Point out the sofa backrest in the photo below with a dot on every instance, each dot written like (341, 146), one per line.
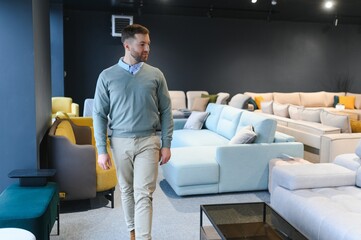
(227, 121)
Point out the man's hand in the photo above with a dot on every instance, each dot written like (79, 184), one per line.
(104, 161)
(164, 155)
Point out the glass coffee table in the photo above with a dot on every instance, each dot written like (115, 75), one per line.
(244, 221)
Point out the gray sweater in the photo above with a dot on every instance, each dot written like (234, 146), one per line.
(136, 104)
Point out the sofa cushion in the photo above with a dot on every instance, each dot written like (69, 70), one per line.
(264, 127)
(196, 120)
(313, 99)
(330, 97)
(290, 98)
(358, 149)
(295, 112)
(239, 101)
(214, 114)
(200, 104)
(336, 120)
(357, 99)
(267, 107)
(66, 130)
(228, 121)
(293, 177)
(212, 97)
(266, 96)
(311, 115)
(355, 126)
(259, 100)
(348, 101)
(244, 135)
(203, 137)
(281, 110)
(192, 166)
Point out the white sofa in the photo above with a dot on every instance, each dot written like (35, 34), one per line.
(323, 201)
(322, 142)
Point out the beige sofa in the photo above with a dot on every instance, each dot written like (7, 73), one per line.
(323, 142)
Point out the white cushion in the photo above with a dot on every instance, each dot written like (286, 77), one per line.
(358, 149)
(295, 112)
(222, 98)
(311, 115)
(243, 136)
(319, 175)
(239, 101)
(281, 110)
(178, 99)
(336, 120)
(267, 107)
(196, 120)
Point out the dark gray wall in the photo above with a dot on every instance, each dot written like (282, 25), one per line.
(24, 83)
(228, 55)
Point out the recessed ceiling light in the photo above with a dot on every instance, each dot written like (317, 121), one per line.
(254, 1)
(329, 4)
(274, 2)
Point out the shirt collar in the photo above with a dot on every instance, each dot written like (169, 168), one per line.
(132, 69)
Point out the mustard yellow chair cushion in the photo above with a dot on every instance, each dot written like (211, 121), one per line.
(66, 130)
(355, 126)
(258, 100)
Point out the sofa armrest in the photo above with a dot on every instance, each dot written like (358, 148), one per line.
(179, 123)
(75, 109)
(333, 145)
(245, 166)
(75, 164)
(303, 176)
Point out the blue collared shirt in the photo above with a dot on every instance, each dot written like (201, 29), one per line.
(132, 69)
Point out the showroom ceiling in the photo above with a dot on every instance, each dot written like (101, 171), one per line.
(345, 11)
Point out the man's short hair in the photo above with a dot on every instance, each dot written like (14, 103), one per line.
(130, 31)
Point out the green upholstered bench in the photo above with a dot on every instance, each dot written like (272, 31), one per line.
(34, 208)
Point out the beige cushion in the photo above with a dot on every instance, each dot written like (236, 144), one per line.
(290, 98)
(330, 97)
(178, 99)
(313, 99)
(192, 95)
(200, 104)
(266, 96)
(336, 120)
(357, 99)
(295, 112)
(281, 110)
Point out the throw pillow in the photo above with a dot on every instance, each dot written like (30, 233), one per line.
(196, 120)
(243, 136)
(281, 110)
(311, 115)
(355, 126)
(267, 107)
(253, 102)
(348, 101)
(212, 98)
(336, 100)
(336, 120)
(258, 100)
(200, 104)
(65, 129)
(295, 112)
(239, 101)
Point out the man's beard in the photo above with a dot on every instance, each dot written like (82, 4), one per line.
(139, 57)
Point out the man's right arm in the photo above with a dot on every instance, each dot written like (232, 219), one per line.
(101, 108)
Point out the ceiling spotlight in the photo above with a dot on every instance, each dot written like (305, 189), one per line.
(254, 1)
(329, 4)
(274, 2)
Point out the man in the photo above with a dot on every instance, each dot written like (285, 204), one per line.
(134, 97)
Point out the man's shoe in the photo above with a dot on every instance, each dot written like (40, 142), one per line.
(132, 235)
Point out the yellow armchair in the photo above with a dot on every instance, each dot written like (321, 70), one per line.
(64, 105)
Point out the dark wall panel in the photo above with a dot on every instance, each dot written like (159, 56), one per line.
(216, 55)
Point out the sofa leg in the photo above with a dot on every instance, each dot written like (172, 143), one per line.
(109, 194)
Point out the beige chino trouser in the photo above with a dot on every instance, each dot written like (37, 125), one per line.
(136, 161)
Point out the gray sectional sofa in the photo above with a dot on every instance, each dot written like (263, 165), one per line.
(203, 161)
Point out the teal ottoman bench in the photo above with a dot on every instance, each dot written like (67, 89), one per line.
(33, 208)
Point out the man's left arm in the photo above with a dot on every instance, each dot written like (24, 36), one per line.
(166, 118)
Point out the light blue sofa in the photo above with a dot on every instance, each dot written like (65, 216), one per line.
(203, 161)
